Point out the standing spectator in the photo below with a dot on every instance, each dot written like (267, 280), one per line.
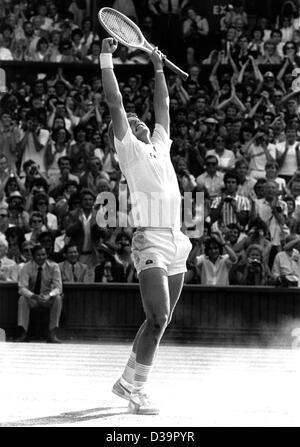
(273, 212)
(288, 156)
(230, 207)
(93, 175)
(245, 183)
(211, 179)
(33, 141)
(71, 269)
(226, 156)
(58, 146)
(83, 228)
(213, 267)
(40, 285)
(59, 181)
(195, 29)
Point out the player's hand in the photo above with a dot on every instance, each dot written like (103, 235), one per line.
(157, 58)
(109, 45)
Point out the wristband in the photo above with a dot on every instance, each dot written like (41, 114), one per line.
(106, 60)
(159, 71)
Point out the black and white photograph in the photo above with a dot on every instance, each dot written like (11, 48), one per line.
(149, 217)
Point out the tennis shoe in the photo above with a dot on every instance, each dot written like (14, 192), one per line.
(121, 391)
(140, 403)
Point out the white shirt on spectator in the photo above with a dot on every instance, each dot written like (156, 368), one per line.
(264, 211)
(212, 184)
(290, 162)
(30, 152)
(213, 274)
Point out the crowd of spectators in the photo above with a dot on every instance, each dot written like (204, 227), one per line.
(235, 132)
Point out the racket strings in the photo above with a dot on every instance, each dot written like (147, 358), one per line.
(121, 28)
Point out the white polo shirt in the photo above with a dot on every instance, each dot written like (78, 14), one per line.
(152, 182)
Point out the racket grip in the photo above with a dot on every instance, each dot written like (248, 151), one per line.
(176, 69)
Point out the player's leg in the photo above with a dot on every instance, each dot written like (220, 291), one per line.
(156, 302)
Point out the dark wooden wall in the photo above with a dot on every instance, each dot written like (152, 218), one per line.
(205, 315)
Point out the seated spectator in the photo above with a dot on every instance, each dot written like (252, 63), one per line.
(229, 207)
(59, 181)
(124, 256)
(257, 234)
(292, 219)
(213, 267)
(41, 204)
(16, 214)
(4, 224)
(123, 57)
(211, 179)
(186, 180)
(254, 271)
(5, 263)
(71, 269)
(37, 226)
(270, 55)
(195, 29)
(47, 239)
(226, 156)
(93, 175)
(272, 169)
(15, 238)
(93, 52)
(40, 285)
(286, 263)
(107, 268)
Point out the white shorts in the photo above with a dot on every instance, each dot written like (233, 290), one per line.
(160, 247)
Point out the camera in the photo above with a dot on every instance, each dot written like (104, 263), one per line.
(33, 170)
(254, 262)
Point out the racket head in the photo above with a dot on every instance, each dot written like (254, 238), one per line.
(121, 28)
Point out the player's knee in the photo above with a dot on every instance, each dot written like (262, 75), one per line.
(158, 323)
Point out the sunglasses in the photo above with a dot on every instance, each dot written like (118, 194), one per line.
(42, 203)
(3, 215)
(290, 48)
(36, 221)
(211, 164)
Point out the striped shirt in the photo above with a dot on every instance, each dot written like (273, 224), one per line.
(228, 214)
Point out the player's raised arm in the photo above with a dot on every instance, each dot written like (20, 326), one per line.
(111, 89)
(161, 94)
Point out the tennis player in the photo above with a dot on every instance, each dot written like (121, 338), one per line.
(159, 248)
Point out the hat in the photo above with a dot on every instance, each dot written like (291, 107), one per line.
(14, 195)
(211, 154)
(269, 74)
(211, 120)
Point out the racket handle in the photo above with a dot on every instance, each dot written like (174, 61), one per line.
(176, 69)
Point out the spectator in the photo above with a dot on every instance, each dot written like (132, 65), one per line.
(16, 212)
(58, 146)
(272, 169)
(195, 30)
(37, 226)
(33, 141)
(107, 268)
(94, 173)
(285, 268)
(229, 207)
(245, 183)
(9, 137)
(41, 204)
(83, 229)
(288, 157)
(270, 55)
(273, 211)
(226, 156)
(59, 181)
(4, 224)
(71, 269)
(5, 263)
(213, 267)
(254, 271)
(211, 179)
(15, 238)
(40, 285)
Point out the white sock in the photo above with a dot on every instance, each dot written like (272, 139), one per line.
(128, 373)
(141, 375)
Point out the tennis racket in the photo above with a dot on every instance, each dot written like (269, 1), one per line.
(129, 34)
